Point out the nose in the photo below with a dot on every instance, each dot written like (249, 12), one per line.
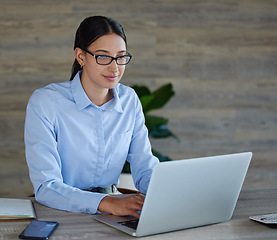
(113, 66)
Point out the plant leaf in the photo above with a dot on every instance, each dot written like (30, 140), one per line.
(161, 131)
(161, 97)
(156, 125)
(151, 120)
(126, 168)
(146, 101)
(141, 90)
(161, 157)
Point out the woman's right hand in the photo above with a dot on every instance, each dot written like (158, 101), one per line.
(122, 205)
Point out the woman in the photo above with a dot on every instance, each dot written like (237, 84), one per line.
(79, 133)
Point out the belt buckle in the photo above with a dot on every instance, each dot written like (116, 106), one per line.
(114, 190)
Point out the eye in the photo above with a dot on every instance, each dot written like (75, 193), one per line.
(103, 57)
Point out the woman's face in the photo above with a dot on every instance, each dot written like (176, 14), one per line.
(103, 77)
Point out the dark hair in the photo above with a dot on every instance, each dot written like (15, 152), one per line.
(90, 29)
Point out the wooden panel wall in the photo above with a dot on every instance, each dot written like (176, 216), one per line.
(220, 56)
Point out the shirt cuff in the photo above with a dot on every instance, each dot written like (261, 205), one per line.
(86, 202)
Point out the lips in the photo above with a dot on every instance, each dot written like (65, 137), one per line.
(111, 78)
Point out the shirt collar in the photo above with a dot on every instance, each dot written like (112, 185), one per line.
(79, 95)
(82, 100)
(115, 102)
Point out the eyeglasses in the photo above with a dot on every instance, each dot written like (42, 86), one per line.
(106, 60)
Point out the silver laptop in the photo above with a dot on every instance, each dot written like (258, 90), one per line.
(187, 193)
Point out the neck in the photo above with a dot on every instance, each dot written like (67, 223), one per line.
(98, 96)
(100, 100)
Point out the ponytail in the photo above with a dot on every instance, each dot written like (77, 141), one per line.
(76, 67)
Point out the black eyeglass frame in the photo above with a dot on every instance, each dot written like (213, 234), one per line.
(112, 58)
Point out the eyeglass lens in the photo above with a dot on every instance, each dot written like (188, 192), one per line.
(105, 60)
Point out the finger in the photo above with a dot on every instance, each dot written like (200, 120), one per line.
(135, 214)
(137, 206)
(140, 195)
(140, 198)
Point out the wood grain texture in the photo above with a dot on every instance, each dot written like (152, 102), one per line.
(220, 56)
(83, 226)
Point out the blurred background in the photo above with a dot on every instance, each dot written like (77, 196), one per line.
(220, 57)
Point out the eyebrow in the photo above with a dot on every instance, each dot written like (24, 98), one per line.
(105, 51)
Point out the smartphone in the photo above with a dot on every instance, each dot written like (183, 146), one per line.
(38, 230)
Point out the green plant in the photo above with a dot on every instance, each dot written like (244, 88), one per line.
(157, 126)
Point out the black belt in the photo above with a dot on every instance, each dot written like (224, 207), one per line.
(107, 190)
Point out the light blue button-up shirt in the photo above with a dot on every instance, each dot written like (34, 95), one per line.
(72, 144)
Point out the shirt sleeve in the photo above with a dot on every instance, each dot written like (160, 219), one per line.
(140, 154)
(45, 166)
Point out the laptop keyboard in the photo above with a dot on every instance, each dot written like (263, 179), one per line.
(130, 223)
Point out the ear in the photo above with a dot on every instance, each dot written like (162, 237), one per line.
(79, 55)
